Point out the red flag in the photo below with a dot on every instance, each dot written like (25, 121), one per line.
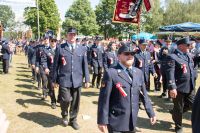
(147, 5)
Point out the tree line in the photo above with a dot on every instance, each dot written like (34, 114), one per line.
(98, 21)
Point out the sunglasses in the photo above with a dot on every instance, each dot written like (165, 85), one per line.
(128, 53)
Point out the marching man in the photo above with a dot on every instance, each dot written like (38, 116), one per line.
(121, 87)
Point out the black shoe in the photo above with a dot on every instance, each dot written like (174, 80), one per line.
(74, 125)
(178, 130)
(53, 105)
(65, 122)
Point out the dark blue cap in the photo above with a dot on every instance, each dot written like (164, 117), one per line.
(143, 41)
(184, 41)
(126, 48)
(72, 30)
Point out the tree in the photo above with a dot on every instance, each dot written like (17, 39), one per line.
(81, 16)
(7, 16)
(153, 18)
(49, 16)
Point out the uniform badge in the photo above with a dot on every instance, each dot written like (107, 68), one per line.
(110, 60)
(121, 90)
(140, 63)
(184, 68)
(64, 61)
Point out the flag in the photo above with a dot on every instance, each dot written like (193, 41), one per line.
(147, 5)
(127, 11)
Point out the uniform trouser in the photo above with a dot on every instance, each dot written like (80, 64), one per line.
(97, 74)
(157, 82)
(182, 103)
(5, 65)
(69, 97)
(51, 90)
(44, 81)
(164, 81)
(34, 74)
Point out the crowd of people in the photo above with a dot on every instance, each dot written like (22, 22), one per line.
(120, 69)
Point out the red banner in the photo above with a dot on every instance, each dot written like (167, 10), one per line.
(127, 11)
(147, 5)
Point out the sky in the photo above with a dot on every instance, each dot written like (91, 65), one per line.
(63, 5)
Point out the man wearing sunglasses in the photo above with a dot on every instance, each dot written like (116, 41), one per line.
(119, 95)
(180, 79)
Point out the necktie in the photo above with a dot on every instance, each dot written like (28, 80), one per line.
(72, 46)
(129, 73)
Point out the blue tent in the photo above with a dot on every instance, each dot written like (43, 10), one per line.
(144, 35)
(183, 27)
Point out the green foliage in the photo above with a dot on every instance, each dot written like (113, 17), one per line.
(7, 16)
(49, 16)
(153, 18)
(81, 16)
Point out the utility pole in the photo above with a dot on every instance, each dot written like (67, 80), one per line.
(38, 20)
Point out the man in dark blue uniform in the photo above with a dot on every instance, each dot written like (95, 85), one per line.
(196, 114)
(110, 57)
(97, 61)
(180, 79)
(144, 63)
(32, 59)
(70, 67)
(165, 51)
(47, 60)
(195, 53)
(119, 95)
(39, 66)
(156, 63)
(6, 56)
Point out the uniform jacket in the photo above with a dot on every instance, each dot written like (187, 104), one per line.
(97, 56)
(195, 54)
(70, 67)
(164, 57)
(180, 72)
(38, 54)
(143, 62)
(116, 110)
(6, 51)
(110, 60)
(31, 55)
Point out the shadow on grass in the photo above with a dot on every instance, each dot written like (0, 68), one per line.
(43, 119)
(23, 71)
(89, 94)
(95, 102)
(26, 86)
(22, 67)
(29, 93)
(31, 101)
(25, 80)
(24, 75)
(22, 64)
(144, 123)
